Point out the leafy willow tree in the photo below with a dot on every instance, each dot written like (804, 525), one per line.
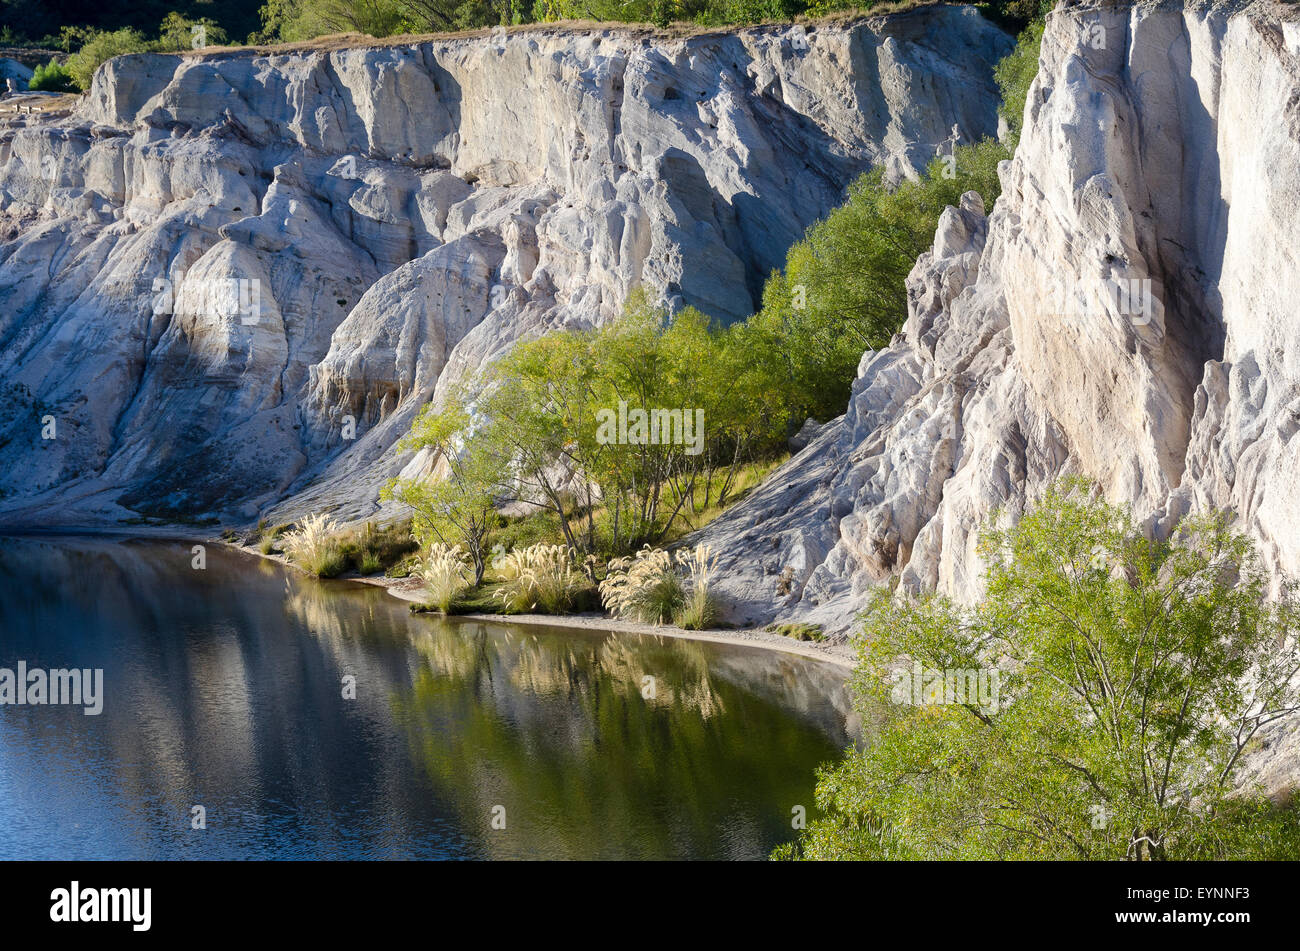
(457, 507)
(101, 47)
(1014, 75)
(843, 287)
(288, 21)
(1132, 677)
(553, 424)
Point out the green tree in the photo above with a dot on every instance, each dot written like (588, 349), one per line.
(52, 77)
(458, 506)
(289, 21)
(843, 289)
(428, 16)
(543, 427)
(1131, 676)
(1014, 75)
(100, 48)
(177, 33)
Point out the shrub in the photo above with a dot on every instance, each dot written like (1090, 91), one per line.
(313, 547)
(540, 576)
(1014, 76)
(540, 526)
(445, 572)
(798, 631)
(646, 588)
(1123, 678)
(178, 33)
(843, 289)
(699, 610)
(52, 77)
(100, 48)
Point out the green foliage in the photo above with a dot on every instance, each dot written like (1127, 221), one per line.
(288, 21)
(1131, 675)
(842, 290)
(42, 22)
(100, 48)
(799, 631)
(93, 47)
(457, 509)
(1014, 75)
(379, 548)
(520, 532)
(545, 432)
(294, 20)
(291, 20)
(177, 33)
(52, 77)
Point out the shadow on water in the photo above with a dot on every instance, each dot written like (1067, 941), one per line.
(224, 688)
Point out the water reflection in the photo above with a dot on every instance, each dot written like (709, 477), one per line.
(224, 688)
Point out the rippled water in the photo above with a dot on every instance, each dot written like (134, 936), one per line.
(224, 688)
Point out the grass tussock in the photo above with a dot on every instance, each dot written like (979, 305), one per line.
(320, 547)
(446, 573)
(698, 610)
(539, 578)
(312, 546)
(798, 631)
(659, 587)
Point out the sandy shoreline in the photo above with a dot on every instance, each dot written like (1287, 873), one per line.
(405, 589)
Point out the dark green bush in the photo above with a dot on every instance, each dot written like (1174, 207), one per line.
(52, 77)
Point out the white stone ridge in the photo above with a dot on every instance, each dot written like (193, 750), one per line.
(407, 212)
(1169, 153)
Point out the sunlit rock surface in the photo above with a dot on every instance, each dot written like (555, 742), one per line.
(1161, 153)
(229, 280)
(1161, 156)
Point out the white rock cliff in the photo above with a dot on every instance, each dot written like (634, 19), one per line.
(229, 280)
(1126, 312)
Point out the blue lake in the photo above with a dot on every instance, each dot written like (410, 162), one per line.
(224, 688)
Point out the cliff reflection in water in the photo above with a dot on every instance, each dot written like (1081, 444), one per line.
(224, 687)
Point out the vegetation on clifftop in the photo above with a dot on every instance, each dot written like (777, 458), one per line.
(291, 20)
(92, 33)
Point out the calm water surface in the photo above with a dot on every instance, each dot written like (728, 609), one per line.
(224, 688)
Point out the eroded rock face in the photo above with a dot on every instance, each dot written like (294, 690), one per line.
(1126, 312)
(230, 280)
